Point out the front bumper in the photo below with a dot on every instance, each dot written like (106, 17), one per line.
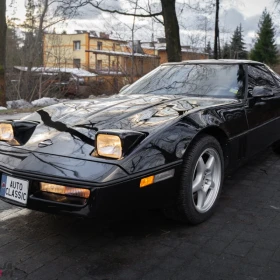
(105, 199)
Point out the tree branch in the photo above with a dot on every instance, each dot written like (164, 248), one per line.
(68, 6)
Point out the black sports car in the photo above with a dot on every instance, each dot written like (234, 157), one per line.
(166, 142)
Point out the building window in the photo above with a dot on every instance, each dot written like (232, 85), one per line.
(76, 63)
(99, 45)
(99, 64)
(113, 65)
(76, 45)
(114, 46)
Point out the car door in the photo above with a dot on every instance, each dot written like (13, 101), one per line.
(262, 112)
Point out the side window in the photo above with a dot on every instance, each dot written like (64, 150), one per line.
(276, 79)
(258, 76)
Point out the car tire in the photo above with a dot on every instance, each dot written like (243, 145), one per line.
(200, 182)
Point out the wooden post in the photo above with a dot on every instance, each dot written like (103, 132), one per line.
(96, 62)
(3, 28)
(40, 86)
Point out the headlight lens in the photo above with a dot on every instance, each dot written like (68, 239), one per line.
(58, 189)
(7, 133)
(109, 146)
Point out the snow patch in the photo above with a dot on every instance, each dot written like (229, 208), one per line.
(42, 102)
(100, 96)
(3, 108)
(18, 104)
(45, 101)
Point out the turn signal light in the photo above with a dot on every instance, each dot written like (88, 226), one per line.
(157, 178)
(147, 181)
(58, 189)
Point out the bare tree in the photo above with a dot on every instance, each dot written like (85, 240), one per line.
(132, 42)
(196, 40)
(167, 11)
(205, 25)
(3, 28)
(38, 20)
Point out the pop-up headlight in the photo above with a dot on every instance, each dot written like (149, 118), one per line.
(116, 143)
(7, 133)
(16, 132)
(109, 146)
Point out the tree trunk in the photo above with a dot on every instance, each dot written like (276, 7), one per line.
(172, 35)
(216, 53)
(39, 38)
(3, 28)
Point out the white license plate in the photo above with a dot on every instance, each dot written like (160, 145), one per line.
(14, 189)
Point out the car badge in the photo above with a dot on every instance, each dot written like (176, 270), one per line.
(45, 143)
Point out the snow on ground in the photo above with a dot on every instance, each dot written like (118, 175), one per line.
(42, 102)
(18, 104)
(45, 101)
(13, 116)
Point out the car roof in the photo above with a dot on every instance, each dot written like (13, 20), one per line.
(215, 61)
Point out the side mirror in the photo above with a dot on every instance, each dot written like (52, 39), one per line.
(261, 91)
(124, 87)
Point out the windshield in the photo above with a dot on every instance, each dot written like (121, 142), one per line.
(207, 80)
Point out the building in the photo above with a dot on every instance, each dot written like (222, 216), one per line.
(158, 48)
(69, 50)
(115, 62)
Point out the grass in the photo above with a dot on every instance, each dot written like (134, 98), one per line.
(17, 111)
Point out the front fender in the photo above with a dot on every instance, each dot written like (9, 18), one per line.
(171, 142)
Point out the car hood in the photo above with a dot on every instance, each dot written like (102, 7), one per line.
(69, 128)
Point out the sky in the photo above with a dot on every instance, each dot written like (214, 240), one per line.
(233, 12)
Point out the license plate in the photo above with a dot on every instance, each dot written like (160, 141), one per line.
(14, 189)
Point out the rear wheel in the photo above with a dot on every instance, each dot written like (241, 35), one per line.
(201, 182)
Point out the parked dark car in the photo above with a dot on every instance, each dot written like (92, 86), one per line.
(165, 142)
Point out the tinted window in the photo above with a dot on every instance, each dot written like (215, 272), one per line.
(275, 76)
(258, 76)
(194, 80)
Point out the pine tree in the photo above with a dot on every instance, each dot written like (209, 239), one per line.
(226, 51)
(209, 50)
(30, 31)
(13, 52)
(265, 49)
(237, 45)
(243, 54)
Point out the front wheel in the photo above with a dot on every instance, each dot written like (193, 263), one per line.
(201, 181)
